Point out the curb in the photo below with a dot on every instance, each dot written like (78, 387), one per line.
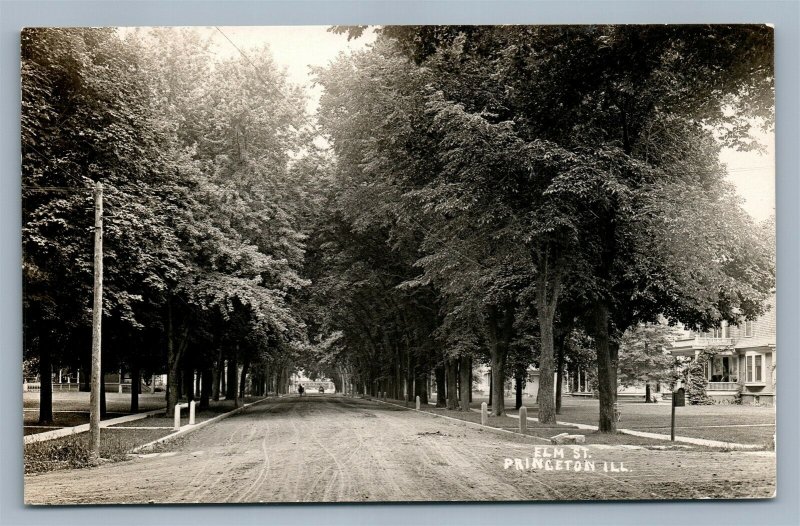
(67, 431)
(188, 428)
(467, 423)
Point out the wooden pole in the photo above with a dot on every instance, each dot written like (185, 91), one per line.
(672, 425)
(97, 318)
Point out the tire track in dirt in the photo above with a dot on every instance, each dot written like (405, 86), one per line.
(262, 474)
(341, 475)
(237, 456)
(341, 449)
(202, 477)
(465, 477)
(377, 483)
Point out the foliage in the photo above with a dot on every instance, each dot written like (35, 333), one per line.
(695, 378)
(644, 355)
(500, 194)
(203, 217)
(563, 156)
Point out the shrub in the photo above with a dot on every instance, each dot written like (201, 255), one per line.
(696, 379)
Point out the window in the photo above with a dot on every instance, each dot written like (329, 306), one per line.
(754, 368)
(748, 328)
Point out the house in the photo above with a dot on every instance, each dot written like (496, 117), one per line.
(482, 381)
(745, 363)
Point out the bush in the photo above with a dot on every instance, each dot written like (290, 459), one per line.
(696, 379)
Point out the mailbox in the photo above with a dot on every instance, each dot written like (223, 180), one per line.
(679, 398)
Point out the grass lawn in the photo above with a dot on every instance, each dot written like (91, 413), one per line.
(544, 430)
(77, 401)
(72, 451)
(159, 420)
(115, 442)
(744, 424)
(71, 408)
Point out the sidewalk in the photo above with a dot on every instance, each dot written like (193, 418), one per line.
(656, 436)
(66, 431)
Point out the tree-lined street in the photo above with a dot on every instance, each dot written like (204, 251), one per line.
(461, 205)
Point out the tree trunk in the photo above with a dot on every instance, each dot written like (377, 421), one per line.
(223, 375)
(545, 398)
(465, 381)
(172, 373)
(497, 396)
(606, 369)
(279, 380)
(500, 331)
(491, 386)
(103, 411)
(172, 364)
(179, 384)
(420, 384)
(647, 395)
(441, 393)
(136, 381)
(233, 373)
(548, 287)
(559, 375)
(451, 373)
(207, 387)
(410, 366)
(45, 383)
(197, 378)
(242, 383)
(215, 376)
(518, 388)
(86, 377)
(188, 377)
(423, 390)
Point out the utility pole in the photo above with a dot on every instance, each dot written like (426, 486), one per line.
(97, 319)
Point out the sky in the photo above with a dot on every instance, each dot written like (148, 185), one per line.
(298, 47)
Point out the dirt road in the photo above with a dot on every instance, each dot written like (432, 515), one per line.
(331, 449)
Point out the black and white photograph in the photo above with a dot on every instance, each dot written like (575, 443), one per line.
(395, 263)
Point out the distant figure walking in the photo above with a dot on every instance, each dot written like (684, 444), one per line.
(300, 390)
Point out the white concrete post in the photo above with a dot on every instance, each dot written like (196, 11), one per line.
(484, 413)
(120, 382)
(177, 425)
(191, 412)
(418, 403)
(523, 419)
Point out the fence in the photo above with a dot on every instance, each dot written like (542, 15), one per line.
(111, 387)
